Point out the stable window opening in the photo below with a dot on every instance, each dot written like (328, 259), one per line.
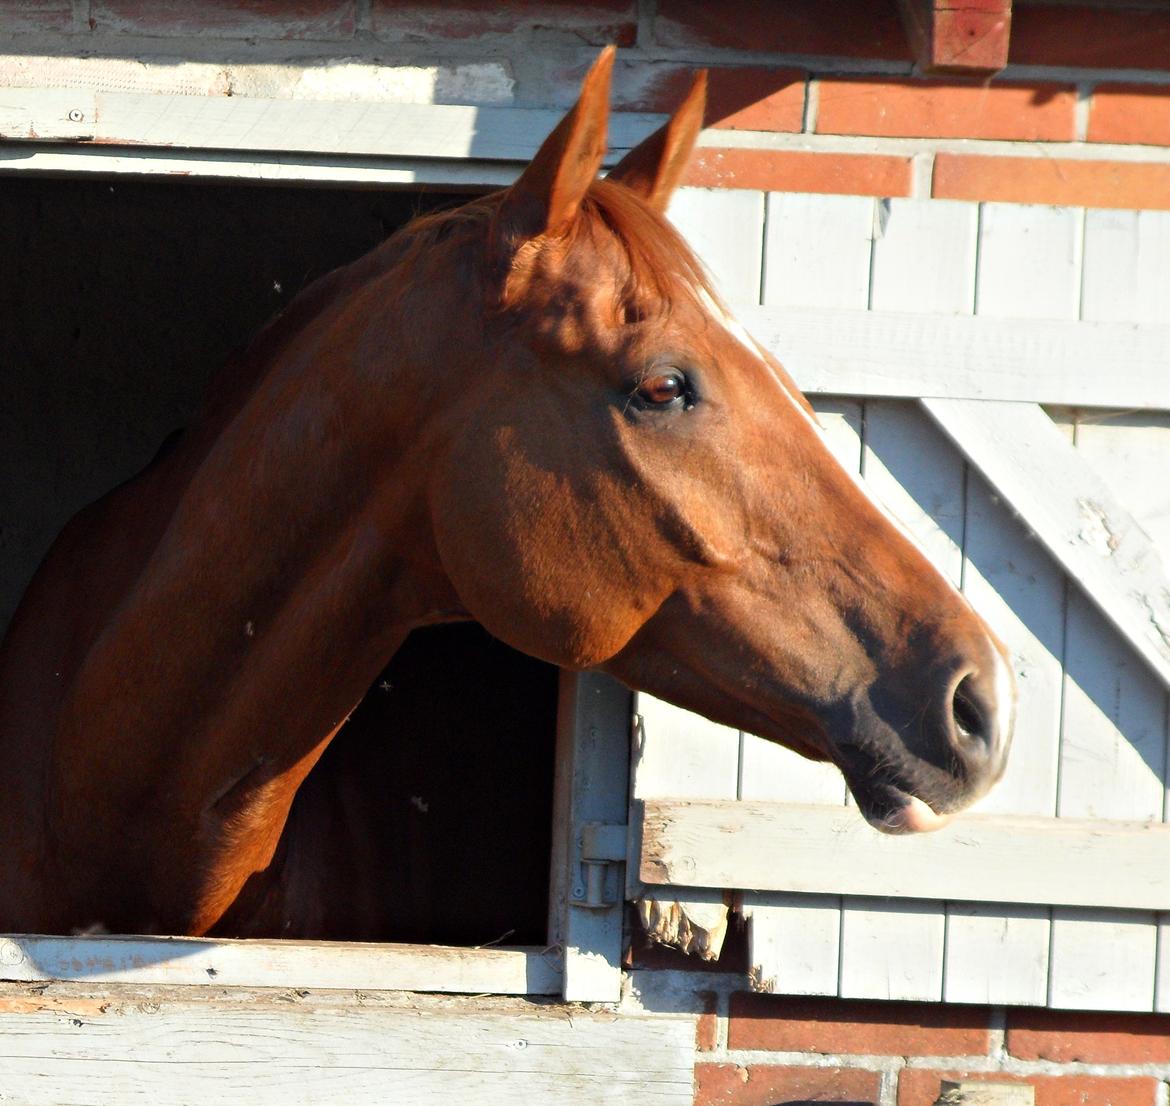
(124, 297)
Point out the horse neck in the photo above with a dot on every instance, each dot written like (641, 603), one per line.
(297, 558)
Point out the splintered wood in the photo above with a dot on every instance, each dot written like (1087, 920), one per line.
(696, 926)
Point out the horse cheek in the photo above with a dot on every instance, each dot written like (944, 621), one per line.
(520, 548)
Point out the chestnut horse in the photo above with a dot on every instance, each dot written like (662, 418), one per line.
(531, 412)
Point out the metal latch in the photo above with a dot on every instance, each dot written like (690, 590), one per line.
(602, 844)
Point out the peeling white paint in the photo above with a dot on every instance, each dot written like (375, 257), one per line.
(1095, 531)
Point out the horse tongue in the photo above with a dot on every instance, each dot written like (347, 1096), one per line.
(914, 817)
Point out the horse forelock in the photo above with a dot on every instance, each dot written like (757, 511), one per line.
(651, 265)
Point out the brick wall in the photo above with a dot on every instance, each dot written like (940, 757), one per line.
(757, 1050)
(804, 97)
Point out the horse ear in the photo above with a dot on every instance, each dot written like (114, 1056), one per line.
(546, 197)
(655, 166)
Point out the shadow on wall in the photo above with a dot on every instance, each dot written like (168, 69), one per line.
(1100, 675)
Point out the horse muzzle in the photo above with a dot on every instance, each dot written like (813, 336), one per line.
(914, 776)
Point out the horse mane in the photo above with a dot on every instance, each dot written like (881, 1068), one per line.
(660, 267)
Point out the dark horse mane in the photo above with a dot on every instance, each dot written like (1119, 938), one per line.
(659, 264)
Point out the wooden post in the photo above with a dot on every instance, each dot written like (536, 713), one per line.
(948, 36)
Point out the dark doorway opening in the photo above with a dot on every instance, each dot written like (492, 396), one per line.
(118, 301)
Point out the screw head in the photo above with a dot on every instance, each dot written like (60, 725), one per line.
(76, 115)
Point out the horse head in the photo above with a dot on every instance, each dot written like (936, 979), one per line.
(626, 481)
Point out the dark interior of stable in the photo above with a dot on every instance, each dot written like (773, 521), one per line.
(118, 300)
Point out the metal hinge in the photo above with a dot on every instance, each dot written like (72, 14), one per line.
(603, 844)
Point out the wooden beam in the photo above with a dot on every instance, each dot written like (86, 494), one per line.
(160, 1046)
(958, 36)
(305, 126)
(1073, 513)
(298, 964)
(773, 846)
(592, 769)
(876, 353)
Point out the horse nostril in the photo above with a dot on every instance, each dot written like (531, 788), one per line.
(973, 724)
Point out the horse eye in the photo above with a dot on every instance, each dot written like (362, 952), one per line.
(662, 389)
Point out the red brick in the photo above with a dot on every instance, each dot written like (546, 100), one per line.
(948, 109)
(1085, 36)
(748, 98)
(857, 1028)
(766, 1085)
(921, 1088)
(800, 171)
(1090, 1038)
(855, 28)
(707, 1028)
(267, 19)
(1130, 113)
(597, 22)
(24, 16)
(1039, 180)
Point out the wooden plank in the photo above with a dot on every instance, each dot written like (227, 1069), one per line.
(817, 250)
(1072, 512)
(725, 228)
(1128, 450)
(266, 168)
(683, 755)
(325, 127)
(181, 1046)
(1103, 960)
(782, 847)
(896, 354)
(1029, 261)
(593, 743)
(794, 942)
(983, 941)
(924, 259)
(1113, 764)
(997, 955)
(1127, 267)
(1031, 267)
(1113, 752)
(892, 950)
(914, 472)
(56, 114)
(304, 964)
